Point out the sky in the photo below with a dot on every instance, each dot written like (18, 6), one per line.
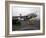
(24, 10)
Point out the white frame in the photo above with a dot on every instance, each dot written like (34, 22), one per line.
(23, 32)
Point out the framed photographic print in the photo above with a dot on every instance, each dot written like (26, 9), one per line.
(24, 18)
